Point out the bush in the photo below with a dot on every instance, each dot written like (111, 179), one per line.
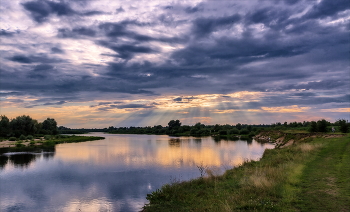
(344, 126)
(322, 125)
(30, 137)
(223, 132)
(12, 138)
(19, 145)
(22, 137)
(47, 137)
(313, 126)
(244, 132)
(251, 134)
(32, 143)
(234, 131)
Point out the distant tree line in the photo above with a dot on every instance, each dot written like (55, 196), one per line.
(176, 128)
(25, 125)
(322, 125)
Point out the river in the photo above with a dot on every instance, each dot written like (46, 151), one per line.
(114, 174)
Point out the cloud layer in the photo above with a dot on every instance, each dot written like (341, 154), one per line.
(61, 54)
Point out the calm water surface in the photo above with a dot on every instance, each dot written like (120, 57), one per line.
(114, 174)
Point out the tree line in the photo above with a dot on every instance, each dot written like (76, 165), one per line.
(176, 128)
(25, 125)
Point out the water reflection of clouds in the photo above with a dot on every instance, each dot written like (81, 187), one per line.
(140, 152)
(114, 174)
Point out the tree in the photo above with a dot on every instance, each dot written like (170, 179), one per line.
(50, 126)
(313, 126)
(4, 126)
(343, 125)
(23, 125)
(322, 125)
(174, 124)
(239, 126)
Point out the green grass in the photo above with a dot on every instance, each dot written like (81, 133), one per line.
(325, 183)
(286, 179)
(48, 144)
(70, 139)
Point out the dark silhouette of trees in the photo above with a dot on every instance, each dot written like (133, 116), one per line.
(343, 125)
(174, 124)
(49, 127)
(4, 126)
(24, 125)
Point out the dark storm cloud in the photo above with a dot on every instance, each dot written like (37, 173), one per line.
(120, 29)
(204, 26)
(120, 10)
(192, 9)
(327, 8)
(125, 106)
(13, 93)
(41, 71)
(47, 104)
(288, 100)
(76, 32)
(56, 50)
(55, 103)
(41, 10)
(126, 51)
(5, 33)
(327, 84)
(33, 59)
(291, 2)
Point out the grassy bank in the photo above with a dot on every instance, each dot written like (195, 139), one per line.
(46, 144)
(311, 175)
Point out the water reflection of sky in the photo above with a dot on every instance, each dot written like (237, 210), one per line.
(114, 174)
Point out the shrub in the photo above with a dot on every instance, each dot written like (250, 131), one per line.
(12, 138)
(322, 125)
(32, 143)
(344, 127)
(251, 134)
(313, 126)
(47, 137)
(223, 132)
(244, 132)
(22, 137)
(19, 145)
(234, 131)
(30, 137)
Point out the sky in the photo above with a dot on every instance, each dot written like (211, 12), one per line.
(100, 63)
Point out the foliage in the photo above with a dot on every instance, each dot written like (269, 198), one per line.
(47, 137)
(343, 125)
(322, 125)
(22, 137)
(313, 127)
(174, 124)
(4, 126)
(25, 125)
(12, 138)
(49, 126)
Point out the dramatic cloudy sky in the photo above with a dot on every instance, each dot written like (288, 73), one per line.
(100, 63)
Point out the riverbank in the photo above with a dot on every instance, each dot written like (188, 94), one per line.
(308, 174)
(43, 142)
